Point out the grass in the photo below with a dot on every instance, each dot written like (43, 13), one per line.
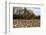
(18, 23)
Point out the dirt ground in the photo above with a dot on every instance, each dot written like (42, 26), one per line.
(20, 23)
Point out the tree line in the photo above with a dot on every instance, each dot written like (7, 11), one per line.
(26, 15)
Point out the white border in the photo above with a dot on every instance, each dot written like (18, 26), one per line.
(33, 29)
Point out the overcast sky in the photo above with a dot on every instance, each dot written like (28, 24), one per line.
(36, 10)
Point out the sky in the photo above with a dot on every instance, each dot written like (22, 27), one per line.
(36, 10)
